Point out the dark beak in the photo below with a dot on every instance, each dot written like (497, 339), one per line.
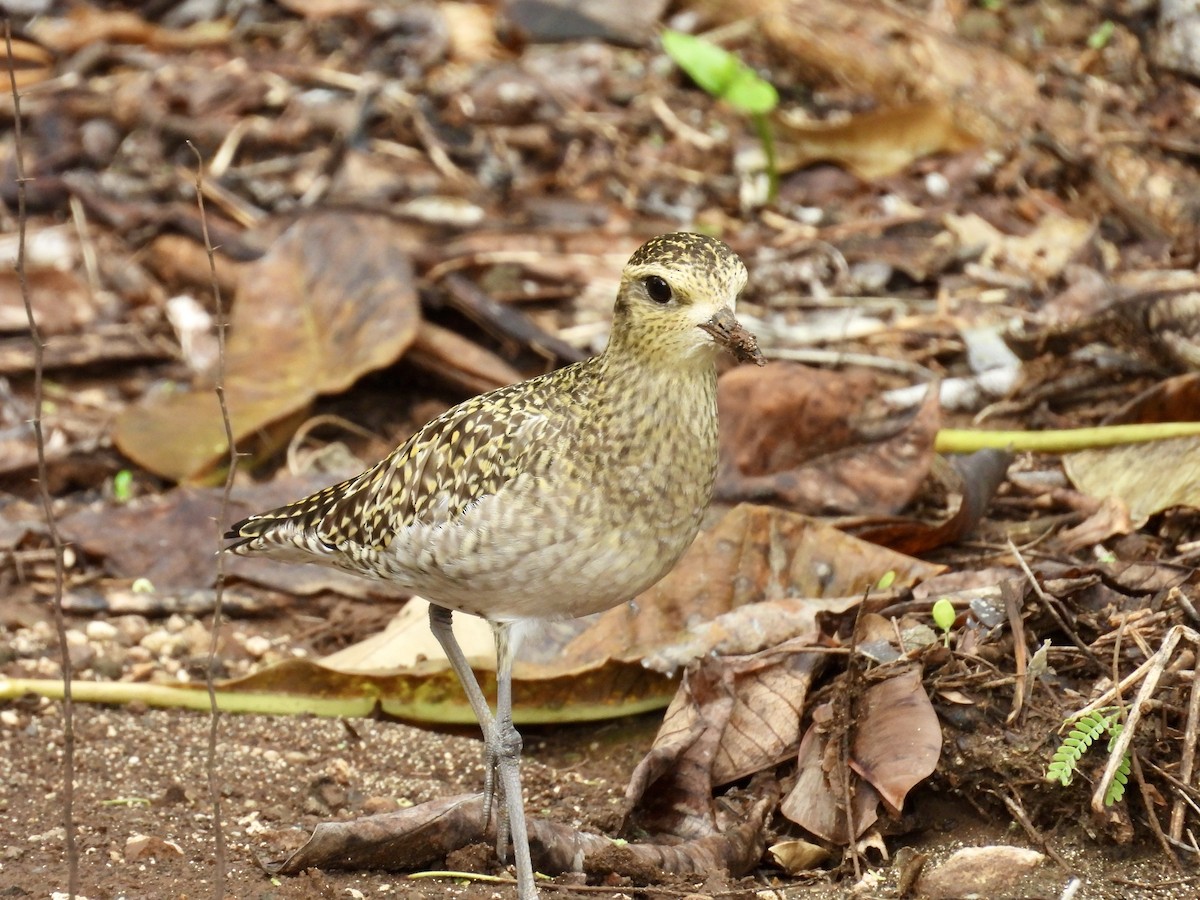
(728, 332)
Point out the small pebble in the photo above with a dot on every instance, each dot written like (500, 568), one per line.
(82, 655)
(110, 664)
(101, 631)
(195, 638)
(373, 806)
(139, 654)
(257, 646)
(142, 846)
(132, 629)
(160, 643)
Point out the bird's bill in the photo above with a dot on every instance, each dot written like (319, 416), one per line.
(729, 333)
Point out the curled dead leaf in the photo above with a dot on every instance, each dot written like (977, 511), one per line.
(897, 737)
(333, 299)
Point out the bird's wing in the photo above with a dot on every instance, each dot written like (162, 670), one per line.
(468, 453)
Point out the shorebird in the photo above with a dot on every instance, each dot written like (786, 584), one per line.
(556, 497)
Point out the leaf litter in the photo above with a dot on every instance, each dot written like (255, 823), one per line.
(377, 155)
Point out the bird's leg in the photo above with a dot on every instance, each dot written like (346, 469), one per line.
(508, 762)
(440, 625)
(502, 743)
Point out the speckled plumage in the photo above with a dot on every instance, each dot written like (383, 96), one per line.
(556, 497)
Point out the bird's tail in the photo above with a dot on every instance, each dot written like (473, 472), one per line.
(291, 532)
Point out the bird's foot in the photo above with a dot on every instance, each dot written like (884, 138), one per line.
(501, 750)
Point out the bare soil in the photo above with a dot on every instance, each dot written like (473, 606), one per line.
(142, 772)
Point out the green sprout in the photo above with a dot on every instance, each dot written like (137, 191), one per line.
(122, 486)
(885, 582)
(1099, 38)
(943, 617)
(727, 78)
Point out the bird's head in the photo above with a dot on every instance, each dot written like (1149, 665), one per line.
(677, 301)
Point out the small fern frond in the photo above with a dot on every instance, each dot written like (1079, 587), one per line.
(1116, 790)
(1084, 732)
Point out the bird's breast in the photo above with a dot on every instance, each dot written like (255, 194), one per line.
(607, 516)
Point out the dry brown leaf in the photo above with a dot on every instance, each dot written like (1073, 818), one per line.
(971, 481)
(898, 59)
(1146, 478)
(61, 300)
(897, 743)
(1109, 519)
(1176, 399)
(332, 300)
(1135, 481)
(91, 25)
(670, 791)
(177, 259)
(407, 641)
(873, 144)
(748, 629)
(897, 737)
(1039, 256)
(795, 857)
(129, 538)
(815, 801)
(405, 839)
(411, 838)
(30, 63)
(754, 554)
(762, 726)
(784, 438)
(459, 360)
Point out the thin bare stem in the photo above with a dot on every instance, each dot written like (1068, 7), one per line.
(214, 787)
(43, 479)
(1187, 759)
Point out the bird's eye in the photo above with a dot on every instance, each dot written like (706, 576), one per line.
(658, 289)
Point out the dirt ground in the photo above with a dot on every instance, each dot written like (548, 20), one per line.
(142, 772)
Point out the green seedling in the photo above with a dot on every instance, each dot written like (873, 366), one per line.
(727, 78)
(943, 617)
(122, 486)
(1099, 38)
